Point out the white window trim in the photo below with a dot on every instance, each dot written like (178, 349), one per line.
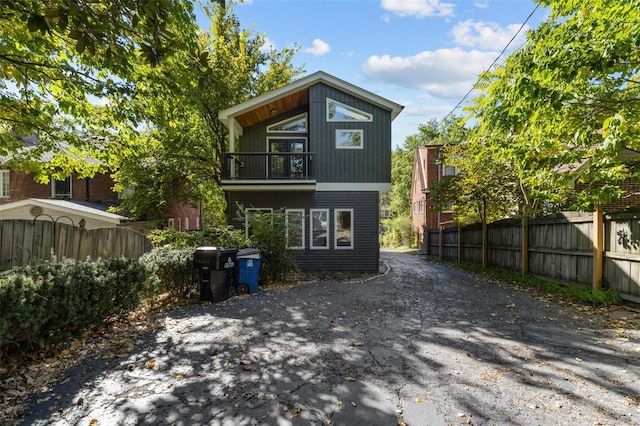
(294, 118)
(350, 131)
(53, 187)
(335, 229)
(186, 223)
(247, 216)
(5, 176)
(333, 120)
(286, 219)
(311, 245)
(171, 223)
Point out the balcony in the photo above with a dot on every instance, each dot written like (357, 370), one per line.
(291, 171)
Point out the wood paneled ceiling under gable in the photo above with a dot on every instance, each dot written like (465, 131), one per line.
(276, 107)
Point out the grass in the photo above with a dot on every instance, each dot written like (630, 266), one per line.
(584, 293)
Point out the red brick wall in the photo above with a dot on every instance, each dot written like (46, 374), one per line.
(23, 186)
(178, 211)
(630, 200)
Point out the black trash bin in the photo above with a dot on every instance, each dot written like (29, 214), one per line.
(216, 266)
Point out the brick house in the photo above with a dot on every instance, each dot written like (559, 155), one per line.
(426, 172)
(87, 198)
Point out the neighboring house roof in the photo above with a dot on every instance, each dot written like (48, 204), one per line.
(93, 213)
(625, 154)
(31, 143)
(294, 95)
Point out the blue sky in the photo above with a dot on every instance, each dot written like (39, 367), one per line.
(423, 54)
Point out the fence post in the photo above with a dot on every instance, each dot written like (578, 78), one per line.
(459, 243)
(525, 245)
(598, 247)
(440, 243)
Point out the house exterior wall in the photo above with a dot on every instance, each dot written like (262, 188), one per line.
(372, 163)
(365, 253)
(185, 216)
(22, 186)
(631, 199)
(426, 172)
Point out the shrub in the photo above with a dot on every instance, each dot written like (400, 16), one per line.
(398, 232)
(170, 270)
(213, 236)
(269, 235)
(49, 301)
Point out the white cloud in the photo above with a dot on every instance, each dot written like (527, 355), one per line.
(486, 35)
(319, 48)
(481, 5)
(443, 73)
(267, 45)
(418, 8)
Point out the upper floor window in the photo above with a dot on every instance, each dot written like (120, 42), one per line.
(337, 111)
(349, 139)
(4, 184)
(61, 188)
(297, 124)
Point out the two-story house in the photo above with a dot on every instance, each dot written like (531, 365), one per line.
(319, 150)
(427, 170)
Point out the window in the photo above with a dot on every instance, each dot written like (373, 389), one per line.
(5, 184)
(349, 139)
(337, 111)
(297, 124)
(61, 188)
(343, 228)
(319, 228)
(170, 223)
(247, 219)
(186, 223)
(421, 206)
(287, 159)
(179, 224)
(294, 224)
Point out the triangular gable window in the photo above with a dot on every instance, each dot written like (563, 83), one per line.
(337, 111)
(297, 124)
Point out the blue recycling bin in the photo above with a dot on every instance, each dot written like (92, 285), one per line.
(248, 261)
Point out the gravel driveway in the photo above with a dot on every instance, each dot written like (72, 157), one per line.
(424, 344)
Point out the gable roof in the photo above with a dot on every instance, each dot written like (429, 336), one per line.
(293, 95)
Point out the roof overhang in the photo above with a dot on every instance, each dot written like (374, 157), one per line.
(294, 95)
(65, 207)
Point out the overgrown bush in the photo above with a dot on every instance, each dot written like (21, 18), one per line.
(52, 300)
(170, 270)
(268, 233)
(213, 236)
(398, 232)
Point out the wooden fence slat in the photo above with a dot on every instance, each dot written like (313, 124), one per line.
(22, 241)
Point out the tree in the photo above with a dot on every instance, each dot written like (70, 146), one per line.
(184, 142)
(64, 62)
(570, 94)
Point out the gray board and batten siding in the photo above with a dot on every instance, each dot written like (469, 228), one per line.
(365, 253)
(372, 163)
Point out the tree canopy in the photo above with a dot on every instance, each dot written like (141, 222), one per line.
(560, 109)
(64, 62)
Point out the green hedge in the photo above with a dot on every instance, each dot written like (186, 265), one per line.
(50, 301)
(170, 271)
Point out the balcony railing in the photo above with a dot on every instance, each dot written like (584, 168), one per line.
(276, 166)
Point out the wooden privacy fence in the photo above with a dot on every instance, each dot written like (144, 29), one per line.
(562, 247)
(22, 241)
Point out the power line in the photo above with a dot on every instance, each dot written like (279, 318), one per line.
(475, 85)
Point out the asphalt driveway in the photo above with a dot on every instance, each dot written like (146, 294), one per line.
(423, 344)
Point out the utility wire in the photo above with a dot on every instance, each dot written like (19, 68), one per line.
(475, 85)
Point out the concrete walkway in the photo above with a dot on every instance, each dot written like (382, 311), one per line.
(422, 345)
